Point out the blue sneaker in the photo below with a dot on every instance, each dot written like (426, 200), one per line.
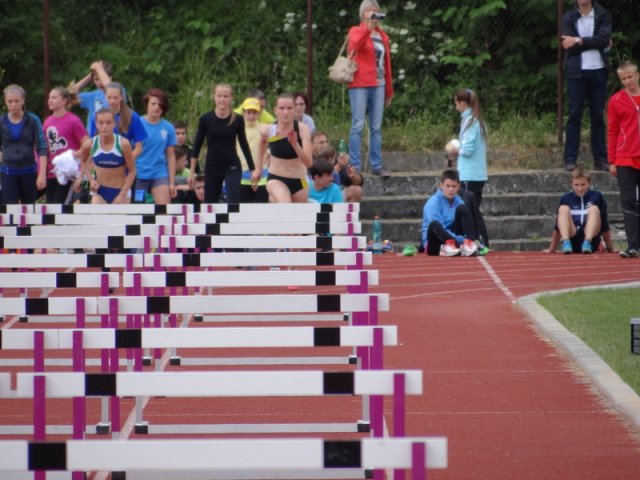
(566, 247)
(587, 247)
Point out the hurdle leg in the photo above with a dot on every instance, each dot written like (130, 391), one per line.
(418, 461)
(104, 426)
(39, 397)
(79, 403)
(398, 414)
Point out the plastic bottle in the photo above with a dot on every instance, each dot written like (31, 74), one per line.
(377, 235)
(342, 147)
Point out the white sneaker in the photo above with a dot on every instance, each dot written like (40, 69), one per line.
(469, 248)
(449, 249)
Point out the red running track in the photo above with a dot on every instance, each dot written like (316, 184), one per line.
(511, 405)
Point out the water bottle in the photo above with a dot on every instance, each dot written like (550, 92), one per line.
(342, 147)
(377, 235)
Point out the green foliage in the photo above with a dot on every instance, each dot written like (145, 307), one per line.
(506, 51)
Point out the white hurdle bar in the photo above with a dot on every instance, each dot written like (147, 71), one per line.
(33, 219)
(219, 384)
(149, 229)
(59, 279)
(303, 303)
(205, 337)
(173, 455)
(201, 242)
(179, 260)
(178, 209)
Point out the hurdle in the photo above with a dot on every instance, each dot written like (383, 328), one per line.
(287, 457)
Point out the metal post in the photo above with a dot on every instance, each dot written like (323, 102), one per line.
(45, 39)
(310, 56)
(560, 80)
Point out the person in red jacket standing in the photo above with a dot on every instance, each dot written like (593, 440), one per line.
(372, 88)
(623, 116)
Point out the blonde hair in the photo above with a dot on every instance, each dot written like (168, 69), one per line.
(233, 115)
(367, 4)
(627, 66)
(15, 88)
(124, 120)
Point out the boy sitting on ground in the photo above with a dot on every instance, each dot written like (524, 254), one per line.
(447, 223)
(582, 221)
(322, 189)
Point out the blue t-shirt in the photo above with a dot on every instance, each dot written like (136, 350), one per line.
(331, 194)
(135, 134)
(92, 101)
(152, 162)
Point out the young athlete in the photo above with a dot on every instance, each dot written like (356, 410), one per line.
(221, 128)
(582, 218)
(111, 156)
(289, 144)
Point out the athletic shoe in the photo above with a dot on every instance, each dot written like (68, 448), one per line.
(629, 253)
(482, 248)
(587, 247)
(449, 249)
(469, 248)
(409, 251)
(566, 247)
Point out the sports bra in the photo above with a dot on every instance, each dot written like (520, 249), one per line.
(279, 146)
(111, 159)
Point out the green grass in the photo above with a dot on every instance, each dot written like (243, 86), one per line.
(601, 319)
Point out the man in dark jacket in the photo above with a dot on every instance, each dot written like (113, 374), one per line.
(586, 36)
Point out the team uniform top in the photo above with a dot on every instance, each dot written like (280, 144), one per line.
(580, 205)
(107, 159)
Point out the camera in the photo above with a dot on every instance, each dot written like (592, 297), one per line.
(378, 16)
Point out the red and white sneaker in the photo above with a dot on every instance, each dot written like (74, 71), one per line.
(469, 248)
(449, 249)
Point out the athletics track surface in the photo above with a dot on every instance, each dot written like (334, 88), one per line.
(511, 405)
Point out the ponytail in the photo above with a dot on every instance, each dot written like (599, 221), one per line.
(470, 97)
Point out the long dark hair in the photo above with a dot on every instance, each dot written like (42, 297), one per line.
(470, 97)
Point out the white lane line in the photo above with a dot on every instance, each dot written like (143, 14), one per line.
(496, 279)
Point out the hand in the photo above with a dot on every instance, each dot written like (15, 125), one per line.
(568, 42)
(94, 185)
(292, 136)
(121, 198)
(191, 181)
(41, 181)
(172, 190)
(255, 179)
(387, 102)
(548, 250)
(77, 184)
(613, 170)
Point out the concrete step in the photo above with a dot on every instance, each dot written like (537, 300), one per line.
(548, 158)
(492, 205)
(425, 182)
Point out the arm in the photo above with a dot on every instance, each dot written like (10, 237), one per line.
(75, 87)
(613, 130)
(197, 145)
(171, 166)
(262, 147)
(358, 37)
(304, 153)
(553, 245)
(608, 240)
(104, 77)
(244, 145)
(469, 138)
(40, 145)
(130, 165)
(82, 154)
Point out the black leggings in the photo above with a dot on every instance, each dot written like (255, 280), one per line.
(213, 186)
(437, 235)
(19, 188)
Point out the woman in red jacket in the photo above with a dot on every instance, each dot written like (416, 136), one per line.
(623, 116)
(372, 87)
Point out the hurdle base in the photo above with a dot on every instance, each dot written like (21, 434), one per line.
(198, 317)
(118, 475)
(353, 359)
(141, 428)
(175, 361)
(367, 474)
(346, 317)
(103, 428)
(364, 426)
(23, 319)
(146, 361)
